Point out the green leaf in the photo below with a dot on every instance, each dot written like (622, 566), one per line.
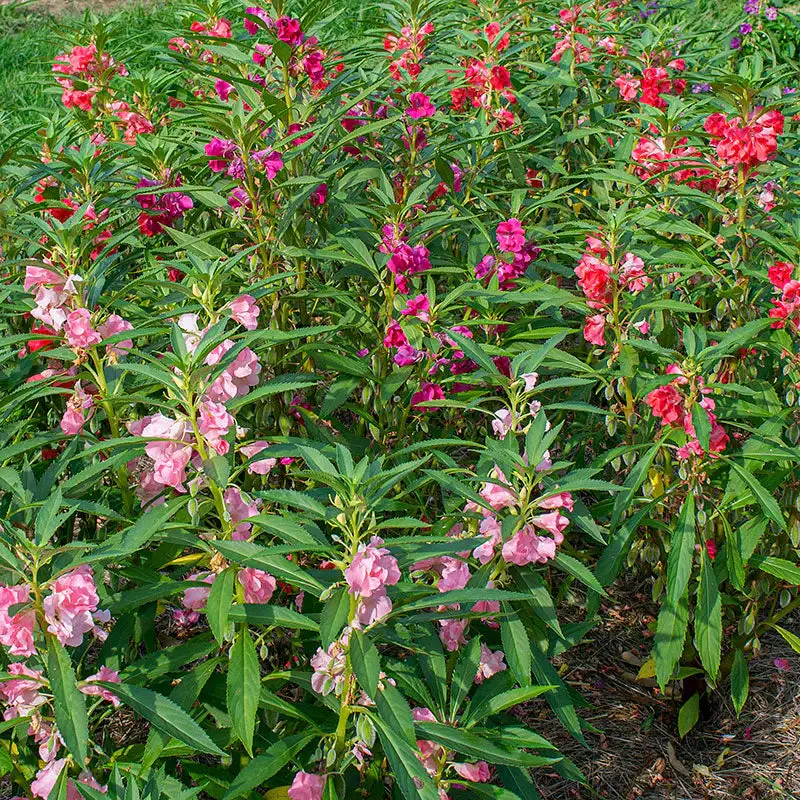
(673, 620)
(263, 767)
(702, 425)
(165, 715)
(268, 614)
(791, 638)
(412, 778)
(502, 701)
(689, 714)
(466, 669)
(69, 703)
(244, 687)
(219, 601)
(366, 662)
(779, 567)
(740, 681)
(576, 569)
(334, 616)
(767, 502)
(517, 648)
(470, 744)
(708, 619)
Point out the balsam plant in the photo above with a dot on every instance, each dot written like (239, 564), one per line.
(335, 369)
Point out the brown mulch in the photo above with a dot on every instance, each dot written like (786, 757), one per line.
(635, 752)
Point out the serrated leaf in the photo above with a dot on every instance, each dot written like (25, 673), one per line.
(244, 687)
(68, 701)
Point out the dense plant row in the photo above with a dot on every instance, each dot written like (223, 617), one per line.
(342, 380)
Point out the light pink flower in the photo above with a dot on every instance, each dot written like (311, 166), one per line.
(16, 632)
(258, 585)
(499, 495)
(525, 547)
(74, 416)
(560, 500)
(594, 330)
(452, 633)
(105, 674)
(455, 574)
(373, 609)
(490, 528)
(329, 666)
(261, 467)
(245, 311)
(502, 423)
(194, 598)
(78, 329)
(372, 570)
(491, 663)
(71, 607)
(46, 778)
(422, 714)
(477, 772)
(530, 379)
(307, 786)
(111, 327)
(213, 423)
(553, 523)
(22, 693)
(238, 377)
(36, 276)
(240, 509)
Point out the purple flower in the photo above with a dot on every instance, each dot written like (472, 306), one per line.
(751, 6)
(745, 28)
(700, 88)
(771, 13)
(736, 43)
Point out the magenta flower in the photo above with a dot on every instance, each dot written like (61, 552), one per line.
(258, 585)
(427, 393)
(510, 236)
(288, 30)
(420, 106)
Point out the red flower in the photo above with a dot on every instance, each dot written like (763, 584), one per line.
(666, 402)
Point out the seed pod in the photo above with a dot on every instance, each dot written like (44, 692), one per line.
(629, 457)
(611, 424)
(658, 586)
(366, 395)
(285, 424)
(616, 464)
(790, 397)
(721, 310)
(608, 392)
(702, 517)
(263, 652)
(785, 598)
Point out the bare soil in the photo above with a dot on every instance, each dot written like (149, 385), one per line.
(636, 753)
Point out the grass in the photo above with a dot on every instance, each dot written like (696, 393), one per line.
(30, 39)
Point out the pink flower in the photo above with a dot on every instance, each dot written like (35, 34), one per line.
(105, 674)
(525, 547)
(264, 465)
(74, 417)
(553, 523)
(111, 327)
(78, 329)
(240, 510)
(16, 632)
(779, 274)
(632, 273)
(22, 693)
(238, 377)
(36, 276)
(628, 86)
(258, 585)
(420, 106)
(419, 307)
(423, 715)
(373, 609)
(71, 608)
(220, 152)
(169, 467)
(213, 423)
(666, 403)
(510, 236)
(490, 664)
(46, 778)
(395, 337)
(477, 773)
(594, 329)
(245, 311)
(427, 393)
(455, 574)
(373, 569)
(320, 195)
(782, 664)
(329, 667)
(194, 598)
(489, 527)
(499, 495)
(270, 160)
(307, 786)
(288, 30)
(502, 423)
(406, 355)
(560, 500)
(452, 633)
